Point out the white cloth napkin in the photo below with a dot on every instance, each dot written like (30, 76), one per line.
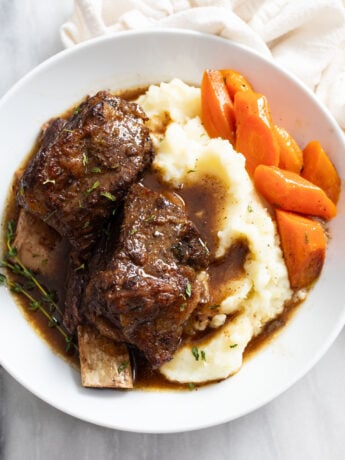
(306, 37)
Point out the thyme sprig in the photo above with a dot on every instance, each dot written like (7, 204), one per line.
(46, 305)
(13, 262)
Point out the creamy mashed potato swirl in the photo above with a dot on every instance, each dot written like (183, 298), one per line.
(185, 154)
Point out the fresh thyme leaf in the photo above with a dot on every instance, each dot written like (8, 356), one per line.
(34, 305)
(95, 169)
(93, 187)
(134, 230)
(191, 386)
(81, 267)
(122, 366)
(183, 307)
(249, 208)
(150, 218)
(85, 159)
(234, 345)
(214, 307)
(189, 289)
(109, 196)
(76, 110)
(203, 355)
(29, 285)
(12, 252)
(195, 353)
(68, 130)
(191, 171)
(3, 279)
(10, 232)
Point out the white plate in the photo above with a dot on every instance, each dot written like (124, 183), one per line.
(129, 60)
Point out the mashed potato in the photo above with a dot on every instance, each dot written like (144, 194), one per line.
(183, 146)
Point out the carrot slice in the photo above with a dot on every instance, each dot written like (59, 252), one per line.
(255, 134)
(319, 170)
(291, 156)
(291, 192)
(304, 247)
(216, 106)
(235, 82)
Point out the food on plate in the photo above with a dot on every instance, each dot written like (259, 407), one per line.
(318, 169)
(170, 259)
(84, 167)
(255, 135)
(304, 246)
(290, 154)
(153, 278)
(292, 192)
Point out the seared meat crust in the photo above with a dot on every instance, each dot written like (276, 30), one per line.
(149, 287)
(85, 166)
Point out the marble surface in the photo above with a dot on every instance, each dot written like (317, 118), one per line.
(307, 421)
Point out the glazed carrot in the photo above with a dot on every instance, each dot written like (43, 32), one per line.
(291, 192)
(304, 247)
(291, 156)
(216, 106)
(255, 133)
(319, 170)
(235, 82)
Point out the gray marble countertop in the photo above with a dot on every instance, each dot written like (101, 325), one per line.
(307, 421)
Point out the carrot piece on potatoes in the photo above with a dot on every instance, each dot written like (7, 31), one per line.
(216, 106)
(255, 134)
(291, 156)
(304, 247)
(319, 170)
(235, 82)
(291, 192)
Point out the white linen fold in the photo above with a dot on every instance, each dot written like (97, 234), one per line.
(306, 37)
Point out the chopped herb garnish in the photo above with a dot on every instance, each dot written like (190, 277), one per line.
(95, 169)
(189, 289)
(234, 345)
(109, 196)
(76, 110)
(204, 246)
(81, 267)
(93, 187)
(203, 355)
(49, 181)
(214, 307)
(195, 353)
(249, 208)
(122, 366)
(191, 171)
(68, 130)
(150, 218)
(87, 223)
(183, 306)
(134, 230)
(191, 386)
(85, 159)
(22, 191)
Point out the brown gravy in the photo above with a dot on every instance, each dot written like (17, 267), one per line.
(204, 204)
